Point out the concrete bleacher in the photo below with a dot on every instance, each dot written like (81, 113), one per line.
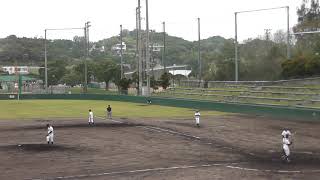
(272, 95)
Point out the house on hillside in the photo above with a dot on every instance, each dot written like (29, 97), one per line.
(117, 48)
(157, 71)
(20, 69)
(96, 47)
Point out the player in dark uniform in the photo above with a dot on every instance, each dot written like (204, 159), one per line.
(109, 112)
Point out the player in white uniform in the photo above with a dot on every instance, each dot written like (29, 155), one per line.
(50, 134)
(286, 150)
(286, 132)
(90, 119)
(197, 117)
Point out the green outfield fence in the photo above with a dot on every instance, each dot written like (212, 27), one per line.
(258, 110)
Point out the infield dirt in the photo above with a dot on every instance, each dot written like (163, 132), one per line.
(224, 147)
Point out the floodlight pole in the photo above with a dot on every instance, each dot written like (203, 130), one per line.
(45, 61)
(147, 49)
(137, 38)
(87, 50)
(236, 36)
(164, 46)
(199, 53)
(121, 55)
(85, 59)
(137, 47)
(288, 34)
(140, 48)
(236, 47)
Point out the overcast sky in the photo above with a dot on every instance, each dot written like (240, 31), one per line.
(29, 18)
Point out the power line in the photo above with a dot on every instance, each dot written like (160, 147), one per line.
(308, 32)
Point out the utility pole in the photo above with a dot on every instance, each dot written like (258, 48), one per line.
(87, 49)
(236, 47)
(164, 47)
(121, 51)
(288, 34)
(137, 43)
(147, 49)
(151, 51)
(45, 61)
(199, 53)
(140, 48)
(85, 59)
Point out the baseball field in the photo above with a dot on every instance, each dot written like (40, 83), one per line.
(149, 142)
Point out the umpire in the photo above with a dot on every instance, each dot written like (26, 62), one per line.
(109, 112)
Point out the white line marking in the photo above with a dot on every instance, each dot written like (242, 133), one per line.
(315, 171)
(151, 129)
(303, 152)
(177, 168)
(155, 129)
(138, 171)
(109, 119)
(285, 171)
(275, 171)
(236, 167)
(173, 132)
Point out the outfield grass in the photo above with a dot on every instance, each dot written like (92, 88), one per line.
(35, 109)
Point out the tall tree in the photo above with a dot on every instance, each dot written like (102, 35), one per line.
(56, 70)
(79, 70)
(108, 71)
(308, 20)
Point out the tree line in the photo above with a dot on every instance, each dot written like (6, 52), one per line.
(102, 71)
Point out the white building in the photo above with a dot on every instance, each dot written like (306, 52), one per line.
(156, 47)
(158, 70)
(94, 47)
(19, 69)
(117, 47)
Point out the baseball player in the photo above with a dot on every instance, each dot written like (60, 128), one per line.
(286, 150)
(197, 117)
(286, 132)
(90, 119)
(109, 112)
(50, 135)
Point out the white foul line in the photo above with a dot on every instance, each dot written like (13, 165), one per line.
(155, 128)
(109, 119)
(137, 171)
(176, 168)
(170, 131)
(275, 171)
(248, 169)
